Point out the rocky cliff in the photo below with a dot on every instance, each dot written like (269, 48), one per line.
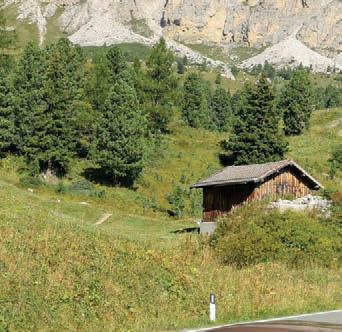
(227, 23)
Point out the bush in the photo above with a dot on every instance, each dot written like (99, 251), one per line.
(80, 187)
(177, 200)
(253, 236)
(335, 161)
(31, 181)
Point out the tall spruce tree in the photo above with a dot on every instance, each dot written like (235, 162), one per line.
(119, 143)
(256, 136)
(48, 85)
(27, 94)
(196, 102)
(221, 109)
(297, 102)
(99, 81)
(7, 120)
(108, 67)
(160, 86)
(118, 65)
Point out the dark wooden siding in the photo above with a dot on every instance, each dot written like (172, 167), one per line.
(219, 201)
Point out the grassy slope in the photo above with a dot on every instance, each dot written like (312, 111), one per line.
(59, 271)
(312, 150)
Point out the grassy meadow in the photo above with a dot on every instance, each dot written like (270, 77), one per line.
(139, 271)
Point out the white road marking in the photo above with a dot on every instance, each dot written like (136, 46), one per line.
(268, 320)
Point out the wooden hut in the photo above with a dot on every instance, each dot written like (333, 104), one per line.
(235, 185)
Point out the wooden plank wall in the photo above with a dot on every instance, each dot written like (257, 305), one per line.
(219, 201)
(284, 184)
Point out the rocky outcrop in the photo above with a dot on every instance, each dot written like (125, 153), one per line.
(306, 203)
(291, 53)
(255, 22)
(228, 23)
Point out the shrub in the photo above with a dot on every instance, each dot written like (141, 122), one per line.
(177, 200)
(335, 161)
(31, 181)
(293, 238)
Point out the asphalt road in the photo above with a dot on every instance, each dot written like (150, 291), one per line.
(321, 321)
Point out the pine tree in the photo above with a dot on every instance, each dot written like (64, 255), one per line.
(119, 143)
(27, 95)
(50, 145)
(7, 120)
(48, 85)
(256, 136)
(108, 67)
(196, 102)
(160, 86)
(297, 103)
(117, 64)
(221, 109)
(99, 81)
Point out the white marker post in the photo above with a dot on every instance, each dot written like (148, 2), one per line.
(212, 308)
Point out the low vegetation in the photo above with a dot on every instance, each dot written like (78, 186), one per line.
(253, 236)
(60, 272)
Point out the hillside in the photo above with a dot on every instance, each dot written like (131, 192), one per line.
(136, 271)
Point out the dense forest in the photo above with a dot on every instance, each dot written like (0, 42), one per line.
(56, 104)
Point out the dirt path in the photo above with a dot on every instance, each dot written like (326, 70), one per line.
(103, 219)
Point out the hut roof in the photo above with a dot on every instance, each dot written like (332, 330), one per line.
(252, 173)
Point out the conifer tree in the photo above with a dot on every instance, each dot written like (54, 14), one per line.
(196, 102)
(119, 143)
(117, 64)
(160, 86)
(7, 120)
(47, 85)
(297, 103)
(50, 145)
(99, 81)
(221, 109)
(256, 136)
(108, 67)
(27, 95)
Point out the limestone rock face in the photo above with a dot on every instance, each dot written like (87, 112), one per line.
(255, 22)
(229, 23)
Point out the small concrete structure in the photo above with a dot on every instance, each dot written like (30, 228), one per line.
(207, 228)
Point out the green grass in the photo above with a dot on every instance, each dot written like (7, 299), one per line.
(210, 51)
(312, 150)
(59, 271)
(233, 56)
(25, 32)
(241, 53)
(140, 27)
(131, 50)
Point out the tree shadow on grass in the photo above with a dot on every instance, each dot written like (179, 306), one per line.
(194, 230)
(99, 176)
